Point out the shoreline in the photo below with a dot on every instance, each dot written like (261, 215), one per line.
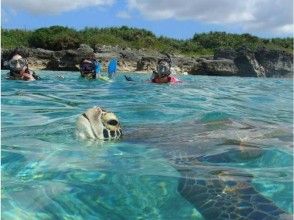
(242, 62)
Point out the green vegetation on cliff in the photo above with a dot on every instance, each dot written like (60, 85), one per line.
(58, 38)
(15, 38)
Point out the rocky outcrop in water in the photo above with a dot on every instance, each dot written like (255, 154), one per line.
(226, 62)
(245, 62)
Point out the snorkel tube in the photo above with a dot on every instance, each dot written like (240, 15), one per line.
(97, 67)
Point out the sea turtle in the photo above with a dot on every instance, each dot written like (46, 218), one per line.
(97, 123)
(225, 193)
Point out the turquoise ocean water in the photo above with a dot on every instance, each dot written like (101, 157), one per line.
(49, 174)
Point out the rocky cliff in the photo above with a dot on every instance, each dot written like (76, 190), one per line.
(261, 62)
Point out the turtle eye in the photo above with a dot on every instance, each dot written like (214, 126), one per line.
(112, 122)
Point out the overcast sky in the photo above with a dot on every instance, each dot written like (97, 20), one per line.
(173, 18)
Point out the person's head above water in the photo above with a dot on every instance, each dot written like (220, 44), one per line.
(163, 71)
(18, 63)
(89, 68)
(19, 69)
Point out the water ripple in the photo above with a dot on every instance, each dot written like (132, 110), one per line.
(205, 125)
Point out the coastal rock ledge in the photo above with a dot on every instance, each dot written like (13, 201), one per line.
(243, 62)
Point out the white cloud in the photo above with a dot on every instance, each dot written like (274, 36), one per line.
(53, 6)
(274, 16)
(252, 15)
(285, 28)
(123, 14)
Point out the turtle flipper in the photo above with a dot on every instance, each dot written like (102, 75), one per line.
(225, 198)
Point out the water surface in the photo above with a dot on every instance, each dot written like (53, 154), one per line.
(48, 174)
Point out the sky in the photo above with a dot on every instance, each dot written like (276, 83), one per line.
(179, 19)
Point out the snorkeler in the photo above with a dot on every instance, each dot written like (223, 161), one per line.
(163, 72)
(89, 68)
(19, 69)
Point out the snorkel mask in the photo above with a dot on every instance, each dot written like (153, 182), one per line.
(88, 69)
(17, 63)
(163, 68)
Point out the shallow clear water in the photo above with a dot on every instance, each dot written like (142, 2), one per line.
(48, 174)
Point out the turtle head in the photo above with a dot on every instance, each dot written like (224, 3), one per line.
(97, 123)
